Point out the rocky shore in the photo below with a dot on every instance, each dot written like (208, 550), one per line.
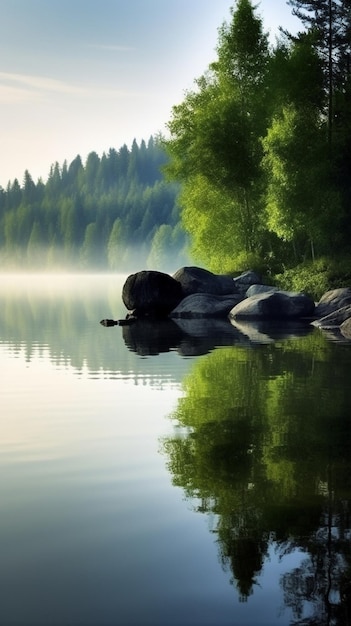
(195, 293)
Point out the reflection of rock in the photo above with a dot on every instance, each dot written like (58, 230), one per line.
(274, 305)
(149, 337)
(264, 331)
(188, 337)
(204, 334)
(193, 337)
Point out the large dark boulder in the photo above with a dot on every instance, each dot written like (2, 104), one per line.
(274, 305)
(151, 293)
(198, 280)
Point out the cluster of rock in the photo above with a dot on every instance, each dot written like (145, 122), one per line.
(193, 292)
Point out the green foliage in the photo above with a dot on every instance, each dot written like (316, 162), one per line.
(315, 278)
(252, 144)
(296, 165)
(215, 143)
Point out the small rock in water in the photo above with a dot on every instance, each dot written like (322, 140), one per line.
(109, 322)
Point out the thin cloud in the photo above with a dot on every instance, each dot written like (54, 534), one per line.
(12, 95)
(18, 88)
(18, 82)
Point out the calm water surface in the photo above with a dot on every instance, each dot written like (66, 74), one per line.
(193, 474)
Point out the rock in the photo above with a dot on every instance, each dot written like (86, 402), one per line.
(332, 301)
(130, 319)
(151, 293)
(254, 290)
(200, 305)
(345, 328)
(245, 280)
(274, 305)
(198, 280)
(108, 322)
(334, 319)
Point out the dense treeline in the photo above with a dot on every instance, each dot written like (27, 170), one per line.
(262, 144)
(259, 154)
(114, 212)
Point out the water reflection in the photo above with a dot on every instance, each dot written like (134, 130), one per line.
(195, 337)
(264, 444)
(261, 441)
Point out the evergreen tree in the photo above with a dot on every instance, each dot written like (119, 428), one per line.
(330, 22)
(115, 245)
(78, 209)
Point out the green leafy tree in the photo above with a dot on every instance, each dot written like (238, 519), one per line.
(300, 204)
(215, 137)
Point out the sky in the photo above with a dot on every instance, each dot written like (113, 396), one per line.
(78, 76)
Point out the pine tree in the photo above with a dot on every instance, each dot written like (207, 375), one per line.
(330, 23)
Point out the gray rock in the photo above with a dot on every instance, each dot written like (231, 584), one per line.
(334, 319)
(198, 280)
(274, 305)
(254, 290)
(245, 280)
(200, 305)
(332, 301)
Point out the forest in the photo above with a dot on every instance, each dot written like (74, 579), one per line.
(254, 172)
(111, 213)
(262, 147)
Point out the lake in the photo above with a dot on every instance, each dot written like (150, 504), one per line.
(168, 474)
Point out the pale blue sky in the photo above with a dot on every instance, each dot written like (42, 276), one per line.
(84, 75)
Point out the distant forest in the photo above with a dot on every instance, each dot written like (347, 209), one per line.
(114, 212)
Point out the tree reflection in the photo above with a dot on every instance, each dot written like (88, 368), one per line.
(264, 443)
